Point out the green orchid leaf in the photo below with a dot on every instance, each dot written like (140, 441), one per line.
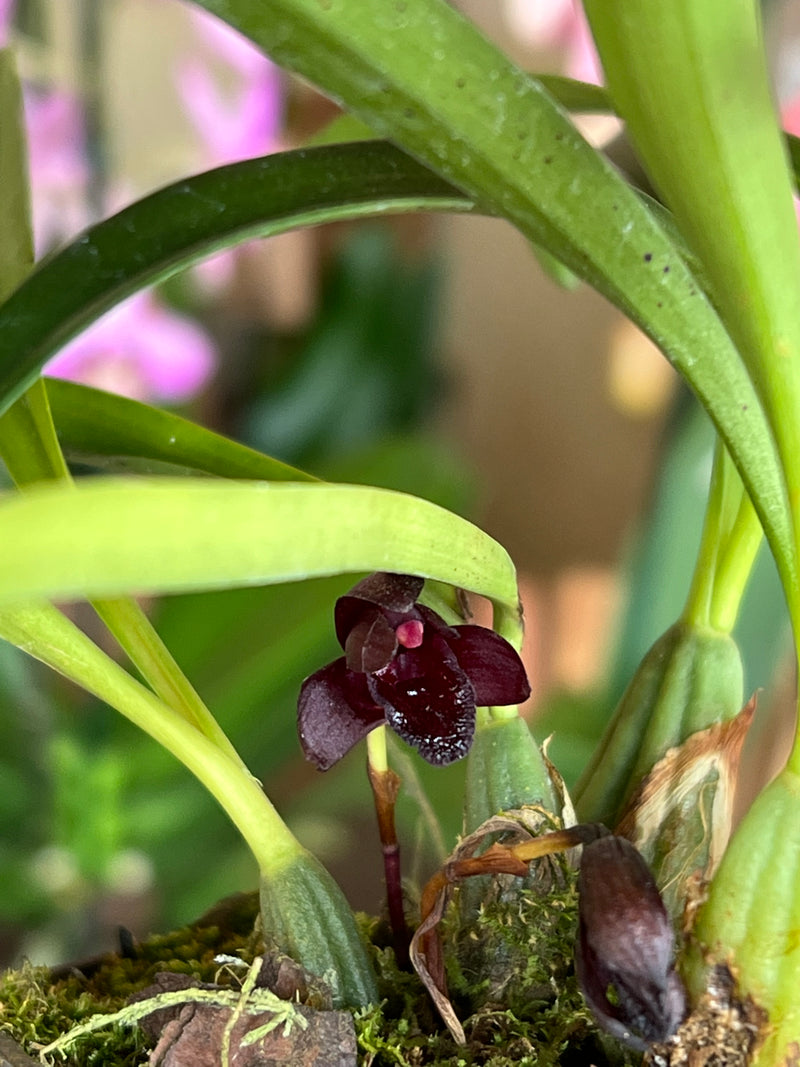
(98, 427)
(31, 452)
(180, 224)
(578, 96)
(423, 75)
(16, 241)
(116, 536)
(692, 83)
(709, 136)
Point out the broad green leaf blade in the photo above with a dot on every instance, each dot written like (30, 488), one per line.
(180, 224)
(94, 425)
(578, 96)
(170, 535)
(423, 75)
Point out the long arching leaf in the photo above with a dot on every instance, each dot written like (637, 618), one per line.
(179, 225)
(116, 536)
(423, 75)
(94, 426)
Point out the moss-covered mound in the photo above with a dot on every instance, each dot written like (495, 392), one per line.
(524, 1009)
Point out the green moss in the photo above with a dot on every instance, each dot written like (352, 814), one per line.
(527, 1011)
(36, 1010)
(540, 1018)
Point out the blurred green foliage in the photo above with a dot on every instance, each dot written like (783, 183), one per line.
(366, 368)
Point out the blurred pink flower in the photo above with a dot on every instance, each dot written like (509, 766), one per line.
(243, 117)
(6, 15)
(58, 166)
(141, 350)
(232, 126)
(238, 117)
(558, 24)
(227, 44)
(790, 113)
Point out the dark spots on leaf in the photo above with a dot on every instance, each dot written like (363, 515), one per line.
(559, 136)
(745, 407)
(660, 304)
(460, 83)
(666, 269)
(548, 159)
(647, 257)
(615, 207)
(409, 113)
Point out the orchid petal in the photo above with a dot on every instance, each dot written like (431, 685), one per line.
(371, 643)
(394, 593)
(335, 712)
(6, 15)
(492, 666)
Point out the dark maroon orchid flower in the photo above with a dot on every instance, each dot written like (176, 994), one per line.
(624, 958)
(403, 665)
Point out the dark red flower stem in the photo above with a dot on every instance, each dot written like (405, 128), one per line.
(385, 785)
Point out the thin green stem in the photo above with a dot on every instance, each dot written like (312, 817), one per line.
(45, 633)
(720, 505)
(507, 618)
(16, 236)
(377, 757)
(137, 636)
(483, 718)
(734, 566)
(385, 786)
(507, 711)
(28, 441)
(444, 600)
(793, 762)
